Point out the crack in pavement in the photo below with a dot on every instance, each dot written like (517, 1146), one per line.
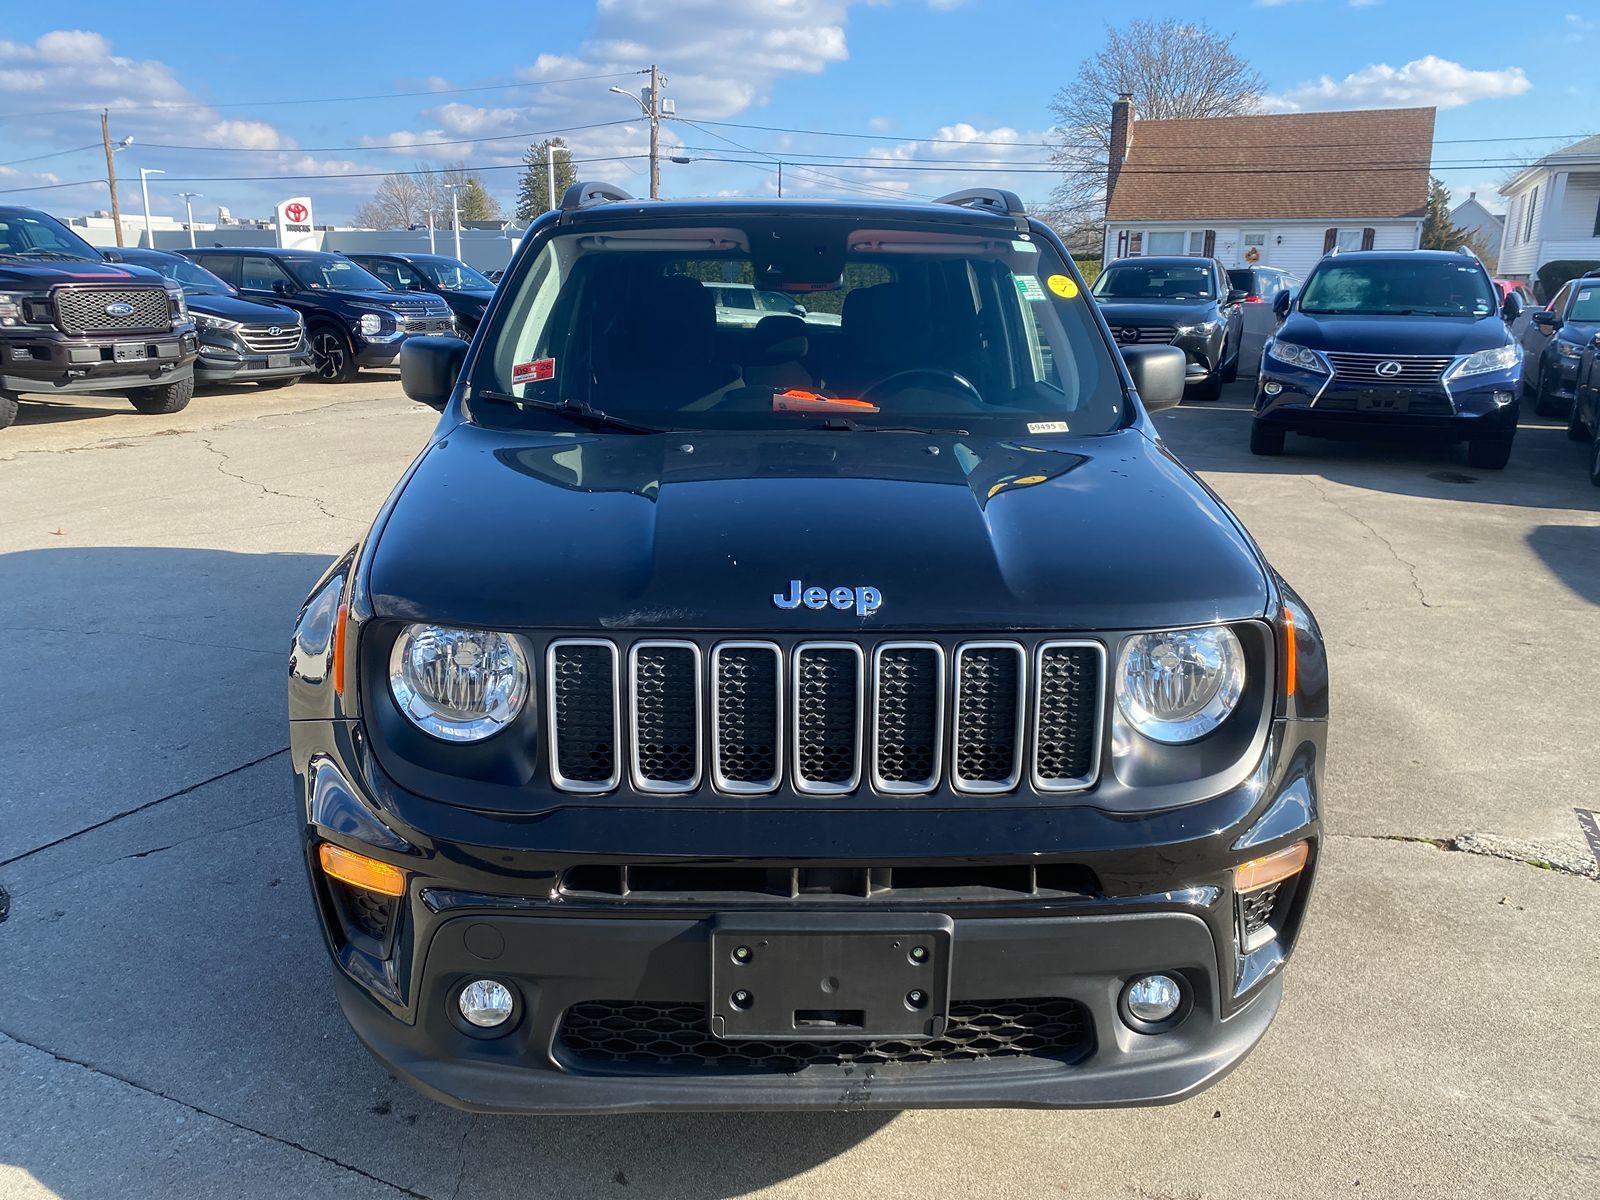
(68, 1060)
(149, 804)
(1411, 567)
(134, 633)
(222, 467)
(1484, 845)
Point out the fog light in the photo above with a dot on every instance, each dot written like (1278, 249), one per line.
(485, 1003)
(1272, 389)
(1154, 998)
(1503, 398)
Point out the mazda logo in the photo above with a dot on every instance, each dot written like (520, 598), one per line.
(1128, 335)
(1388, 368)
(118, 308)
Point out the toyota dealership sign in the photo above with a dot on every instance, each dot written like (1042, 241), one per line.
(295, 231)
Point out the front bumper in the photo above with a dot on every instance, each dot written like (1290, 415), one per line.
(237, 364)
(45, 361)
(1202, 353)
(1330, 406)
(487, 898)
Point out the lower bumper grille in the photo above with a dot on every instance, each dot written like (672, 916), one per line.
(634, 1037)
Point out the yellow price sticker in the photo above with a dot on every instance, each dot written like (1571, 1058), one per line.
(1063, 286)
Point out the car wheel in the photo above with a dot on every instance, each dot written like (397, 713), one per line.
(1230, 372)
(1543, 402)
(168, 398)
(1266, 439)
(1208, 389)
(1489, 453)
(8, 410)
(1594, 462)
(330, 351)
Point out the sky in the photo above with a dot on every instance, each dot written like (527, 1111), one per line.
(345, 92)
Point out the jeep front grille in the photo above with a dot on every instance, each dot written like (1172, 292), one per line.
(82, 310)
(825, 715)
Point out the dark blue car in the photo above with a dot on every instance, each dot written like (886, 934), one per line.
(1393, 343)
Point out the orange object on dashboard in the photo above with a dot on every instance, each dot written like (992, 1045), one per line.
(800, 400)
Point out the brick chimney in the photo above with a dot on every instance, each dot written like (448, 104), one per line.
(1121, 132)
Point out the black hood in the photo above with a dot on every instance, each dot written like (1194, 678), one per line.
(1395, 335)
(477, 295)
(48, 272)
(246, 312)
(1157, 312)
(620, 531)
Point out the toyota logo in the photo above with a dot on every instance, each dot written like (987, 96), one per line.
(119, 309)
(1388, 368)
(296, 211)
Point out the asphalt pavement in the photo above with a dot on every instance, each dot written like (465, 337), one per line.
(167, 1023)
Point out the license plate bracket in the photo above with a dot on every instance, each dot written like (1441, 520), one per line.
(275, 361)
(130, 352)
(1383, 402)
(830, 976)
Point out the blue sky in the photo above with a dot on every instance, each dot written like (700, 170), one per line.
(907, 71)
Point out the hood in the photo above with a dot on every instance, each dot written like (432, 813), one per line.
(47, 272)
(371, 299)
(699, 531)
(477, 295)
(1395, 335)
(1157, 312)
(247, 312)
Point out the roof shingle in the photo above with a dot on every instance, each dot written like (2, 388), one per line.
(1338, 165)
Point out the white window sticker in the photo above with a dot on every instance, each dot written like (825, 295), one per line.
(1582, 296)
(1030, 287)
(1047, 426)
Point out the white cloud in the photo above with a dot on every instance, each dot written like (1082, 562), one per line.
(1423, 81)
(1578, 28)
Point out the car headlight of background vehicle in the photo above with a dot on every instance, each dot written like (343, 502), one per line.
(205, 321)
(459, 685)
(180, 304)
(1199, 327)
(1501, 358)
(1568, 349)
(1178, 686)
(1296, 356)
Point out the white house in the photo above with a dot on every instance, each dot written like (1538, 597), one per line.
(1474, 216)
(1278, 190)
(1553, 212)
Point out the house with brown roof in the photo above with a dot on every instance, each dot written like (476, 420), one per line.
(1277, 190)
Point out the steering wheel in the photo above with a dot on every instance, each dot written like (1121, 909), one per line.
(900, 380)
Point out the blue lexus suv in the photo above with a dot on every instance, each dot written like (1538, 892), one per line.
(1393, 343)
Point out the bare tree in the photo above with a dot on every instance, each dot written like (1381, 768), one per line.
(1173, 70)
(404, 200)
(399, 203)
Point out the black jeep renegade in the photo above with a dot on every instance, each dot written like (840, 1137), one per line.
(804, 715)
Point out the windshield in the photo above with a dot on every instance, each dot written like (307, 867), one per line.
(1586, 304)
(333, 275)
(1155, 281)
(1399, 287)
(191, 276)
(922, 326)
(39, 235)
(452, 276)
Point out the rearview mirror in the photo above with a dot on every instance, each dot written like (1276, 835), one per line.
(429, 367)
(1158, 374)
(1281, 303)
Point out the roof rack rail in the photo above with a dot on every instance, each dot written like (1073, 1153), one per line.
(1467, 250)
(995, 199)
(586, 192)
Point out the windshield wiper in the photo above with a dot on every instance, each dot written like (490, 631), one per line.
(574, 410)
(47, 254)
(846, 425)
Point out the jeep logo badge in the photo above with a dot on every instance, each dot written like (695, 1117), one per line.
(1388, 368)
(865, 600)
(118, 308)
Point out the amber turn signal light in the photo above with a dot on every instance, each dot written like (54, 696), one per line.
(358, 870)
(1289, 652)
(1274, 868)
(340, 622)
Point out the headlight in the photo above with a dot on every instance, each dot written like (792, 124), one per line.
(180, 303)
(460, 685)
(1178, 686)
(13, 308)
(206, 321)
(1502, 358)
(1296, 356)
(1207, 327)
(369, 324)
(1568, 349)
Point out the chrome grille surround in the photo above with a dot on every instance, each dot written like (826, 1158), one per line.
(1096, 696)
(981, 737)
(719, 768)
(876, 754)
(815, 723)
(259, 339)
(641, 727)
(555, 720)
(1353, 367)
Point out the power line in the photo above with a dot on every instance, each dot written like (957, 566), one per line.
(490, 87)
(52, 154)
(855, 185)
(498, 137)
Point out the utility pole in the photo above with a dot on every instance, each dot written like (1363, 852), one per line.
(455, 214)
(111, 172)
(144, 186)
(188, 207)
(550, 171)
(780, 179)
(655, 133)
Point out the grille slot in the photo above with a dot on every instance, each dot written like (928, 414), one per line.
(1143, 335)
(1363, 368)
(664, 678)
(260, 338)
(1067, 694)
(746, 716)
(989, 720)
(828, 693)
(83, 310)
(638, 1037)
(584, 715)
(907, 716)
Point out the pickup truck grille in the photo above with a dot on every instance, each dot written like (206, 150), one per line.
(81, 310)
(825, 715)
(263, 340)
(1412, 368)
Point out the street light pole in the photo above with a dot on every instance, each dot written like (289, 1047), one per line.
(188, 208)
(144, 186)
(455, 214)
(431, 249)
(550, 171)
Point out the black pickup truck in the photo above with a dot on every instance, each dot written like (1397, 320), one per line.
(73, 323)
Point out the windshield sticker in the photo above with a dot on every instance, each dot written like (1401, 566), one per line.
(799, 400)
(1063, 286)
(536, 371)
(1583, 296)
(1047, 426)
(1024, 248)
(1028, 285)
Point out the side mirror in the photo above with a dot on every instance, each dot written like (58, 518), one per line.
(1547, 320)
(1237, 295)
(1158, 374)
(1281, 303)
(1511, 309)
(798, 310)
(283, 287)
(429, 367)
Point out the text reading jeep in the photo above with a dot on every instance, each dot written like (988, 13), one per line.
(801, 716)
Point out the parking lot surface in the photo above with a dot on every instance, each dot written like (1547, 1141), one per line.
(167, 1023)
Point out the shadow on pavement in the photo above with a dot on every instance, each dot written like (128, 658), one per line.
(1572, 553)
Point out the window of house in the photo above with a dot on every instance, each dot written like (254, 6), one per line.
(1165, 241)
(1348, 239)
(1527, 217)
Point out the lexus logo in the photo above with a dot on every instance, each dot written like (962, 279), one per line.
(118, 309)
(1388, 368)
(296, 211)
